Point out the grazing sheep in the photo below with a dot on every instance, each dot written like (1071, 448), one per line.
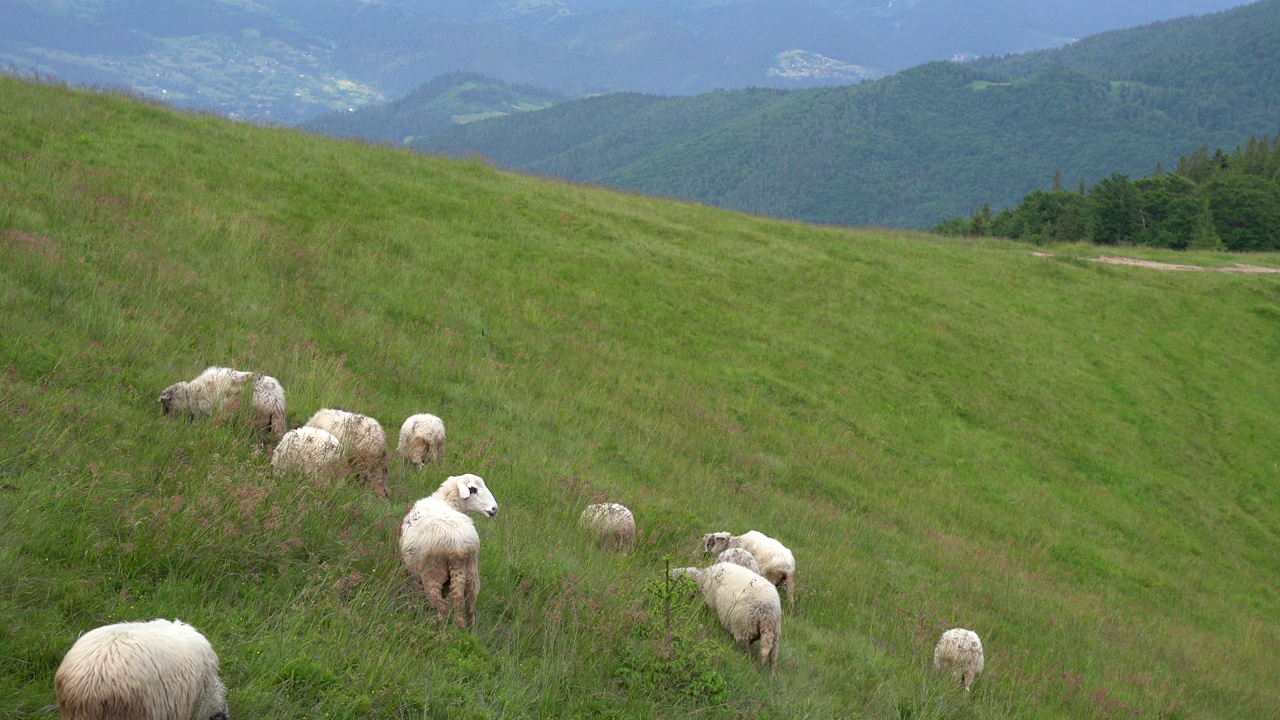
(157, 670)
(611, 525)
(363, 442)
(960, 652)
(738, 556)
(307, 451)
(422, 439)
(439, 543)
(746, 604)
(217, 392)
(777, 563)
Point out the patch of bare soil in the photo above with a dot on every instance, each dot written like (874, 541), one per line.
(1116, 260)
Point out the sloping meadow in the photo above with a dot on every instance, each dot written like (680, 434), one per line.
(1077, 461)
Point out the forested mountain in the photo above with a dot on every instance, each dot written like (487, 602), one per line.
(287, 60)
(930, 142)
(447, 100)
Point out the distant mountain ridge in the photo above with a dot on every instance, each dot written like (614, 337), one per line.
(287, 60)
(930, 142)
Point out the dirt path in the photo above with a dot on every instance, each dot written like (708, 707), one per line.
(1114, 260)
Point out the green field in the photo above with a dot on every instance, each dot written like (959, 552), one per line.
(1080, 462)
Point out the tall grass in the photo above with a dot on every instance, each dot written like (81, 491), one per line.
(1076, 461)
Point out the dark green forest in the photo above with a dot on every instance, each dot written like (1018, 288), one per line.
(1224, 201)
(934, 141)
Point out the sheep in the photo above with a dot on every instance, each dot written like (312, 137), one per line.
(308, 451)
(363, 442)
(777, 563)
(960, 652)
(421, 439)
(738, 556)
(611, 525)
(157, 670)
(747, 605)
(439, 543)
(218, 391)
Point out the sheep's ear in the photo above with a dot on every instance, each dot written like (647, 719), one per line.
(464, 492)
(166, 395)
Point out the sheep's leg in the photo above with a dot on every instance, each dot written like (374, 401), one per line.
(791, 592)
(433, 582)
(226, 410)
(462, 594)
(768, 649)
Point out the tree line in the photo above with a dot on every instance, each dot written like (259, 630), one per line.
(1220, 201)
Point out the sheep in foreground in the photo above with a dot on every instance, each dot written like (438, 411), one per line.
(421, 439)
(959, 651)
(218, 391)
(738, 556)
(777, 563)
(611, 525)
(157, 670)
(307, 451)
(439, 543)
(746, 604)
(364, 443)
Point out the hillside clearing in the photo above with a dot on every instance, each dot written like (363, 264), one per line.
(1075, 460)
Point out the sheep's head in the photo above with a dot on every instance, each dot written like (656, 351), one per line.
(690, 572)
(213, 703)
(738, 556)
(716, 543)
(171, 398)
(475, 496)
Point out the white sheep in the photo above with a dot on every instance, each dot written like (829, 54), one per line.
(611, 525)
(738, 556)
(777, 563)
(218, 391)
(364, 443)
(157, 670)
(960, 652)
(439, 543)
(421, 439)
(307, 451)
(746, 604)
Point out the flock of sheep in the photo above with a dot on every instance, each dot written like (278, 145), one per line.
(167, 670)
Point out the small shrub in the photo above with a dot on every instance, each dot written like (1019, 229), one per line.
(669, 654)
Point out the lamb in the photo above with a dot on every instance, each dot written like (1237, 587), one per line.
(307, 451)
(364, 443)
(777, 564)
(960, 652)
(439, 543)
(218, 391)
(611, 525)
(738, 556)
(746, 604)
(421, 439)
(157, 670)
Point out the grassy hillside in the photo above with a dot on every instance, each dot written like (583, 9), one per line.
(1077, 461)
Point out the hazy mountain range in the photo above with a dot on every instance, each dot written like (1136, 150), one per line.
(285, 60)
(936, 140)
